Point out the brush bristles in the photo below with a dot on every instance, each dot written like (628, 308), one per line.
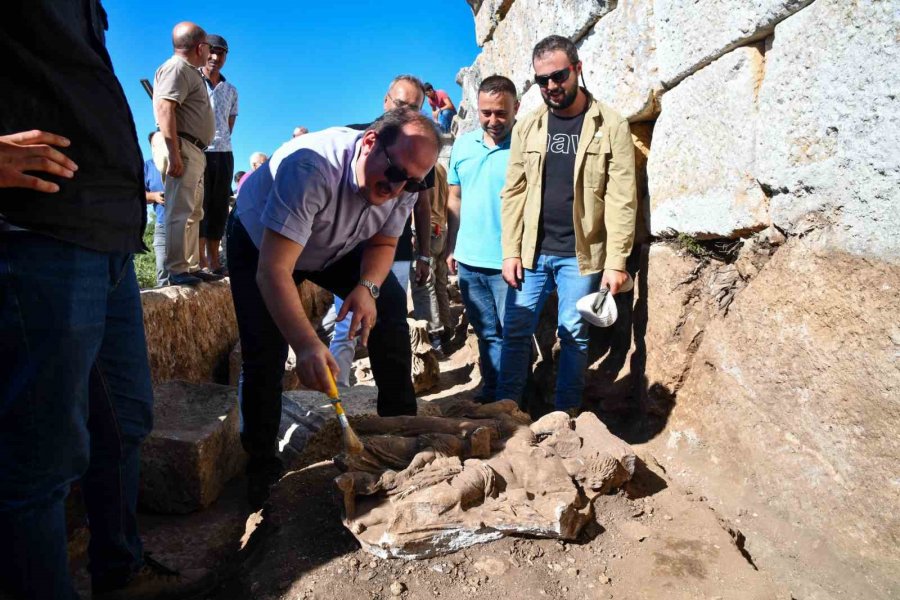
(352, 443)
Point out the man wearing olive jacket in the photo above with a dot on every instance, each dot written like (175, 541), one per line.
(568, 214)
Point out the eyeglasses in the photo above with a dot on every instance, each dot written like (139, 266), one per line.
(556, 76)
(217, 50)
(395, 174)
(401, 103)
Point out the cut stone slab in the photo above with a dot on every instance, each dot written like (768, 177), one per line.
(830, 148)
(190, 331)
(194, 448)
(691, 34)
(619, 58)
(702, 174)
(431, 485)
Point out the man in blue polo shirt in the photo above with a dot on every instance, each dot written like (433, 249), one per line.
(478, 171)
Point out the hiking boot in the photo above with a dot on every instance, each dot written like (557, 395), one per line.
(184, 279)
(157, 581)
(262, 474)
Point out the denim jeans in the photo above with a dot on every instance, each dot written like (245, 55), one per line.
(75, 402)
(159, 249)
(445, 119)
(484, 295)
(264, 349)
(523, 307)
(342, 347)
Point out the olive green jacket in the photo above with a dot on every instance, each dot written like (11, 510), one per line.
(605, 200)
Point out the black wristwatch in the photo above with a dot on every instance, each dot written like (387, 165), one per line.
(373, 289)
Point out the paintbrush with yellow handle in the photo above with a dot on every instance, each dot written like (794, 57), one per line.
(352, 444)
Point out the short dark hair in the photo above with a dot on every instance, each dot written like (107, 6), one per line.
(388, 125)
(238, 176)
(497, 84)
(427, 87)
(552, 43)
(150, 136)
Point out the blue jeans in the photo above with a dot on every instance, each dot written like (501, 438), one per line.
(445, 119)
(342, 347)
(523, 307)
(75, 402)
(484, 295)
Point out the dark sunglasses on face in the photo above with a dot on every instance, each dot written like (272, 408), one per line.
(217, 50)
(556, 76)
(395, 174)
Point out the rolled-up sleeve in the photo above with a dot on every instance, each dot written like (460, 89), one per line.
(299, 193)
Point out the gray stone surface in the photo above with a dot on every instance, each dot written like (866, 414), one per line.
(702, 173)
(619, 58)
(194, 448)
(829, 138)
(691, 34)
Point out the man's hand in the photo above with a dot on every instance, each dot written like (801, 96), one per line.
(176, 166)
(155, 198)
(423, 271)
(32, 151)
(612, 279)
(313, 362)
(513, 273)
(361, 302)
(451, 264)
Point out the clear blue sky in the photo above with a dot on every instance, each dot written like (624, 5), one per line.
(299, 62)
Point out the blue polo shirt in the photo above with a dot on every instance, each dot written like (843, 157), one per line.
(153, 183)
(480, 171)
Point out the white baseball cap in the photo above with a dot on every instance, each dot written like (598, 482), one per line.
(599, 308)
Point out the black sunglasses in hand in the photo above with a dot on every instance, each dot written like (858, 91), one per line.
(557, 77)
(395, 174)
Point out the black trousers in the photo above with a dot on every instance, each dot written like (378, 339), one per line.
(264, 350)
(216, 192)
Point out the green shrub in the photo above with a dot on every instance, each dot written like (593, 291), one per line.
(145, 263)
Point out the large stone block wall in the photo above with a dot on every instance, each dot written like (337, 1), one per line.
(773, 125)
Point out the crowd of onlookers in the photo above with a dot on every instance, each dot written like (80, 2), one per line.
(527, 206)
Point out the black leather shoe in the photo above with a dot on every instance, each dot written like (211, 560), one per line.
(205, 275)
(184, 279)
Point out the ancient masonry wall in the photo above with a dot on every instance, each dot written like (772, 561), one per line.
(772, 126)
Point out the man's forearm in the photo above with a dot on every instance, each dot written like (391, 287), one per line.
(422, 222)
(280, 295)
(454, 202)
(168, 125)
(377, 259)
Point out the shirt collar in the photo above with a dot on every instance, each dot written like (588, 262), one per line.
(503, 145)
(357, 150)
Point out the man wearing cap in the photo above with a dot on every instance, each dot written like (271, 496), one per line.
(185, 118)
(305, 215)
(568, 212)
(223, 97)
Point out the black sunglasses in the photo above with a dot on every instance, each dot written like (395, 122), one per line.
(557, 77)
(395, 174)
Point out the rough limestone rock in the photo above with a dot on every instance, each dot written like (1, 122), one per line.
(691, 34)
(701, 172)
(431, 485)
(529, 21)
(796, 394)
(619, 58)
(194, 448)
(828, 149)
(488, 17)
(190, 331)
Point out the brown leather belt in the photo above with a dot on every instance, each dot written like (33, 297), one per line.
(195, 141)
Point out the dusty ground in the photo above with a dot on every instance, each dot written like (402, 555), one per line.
(650, 540)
